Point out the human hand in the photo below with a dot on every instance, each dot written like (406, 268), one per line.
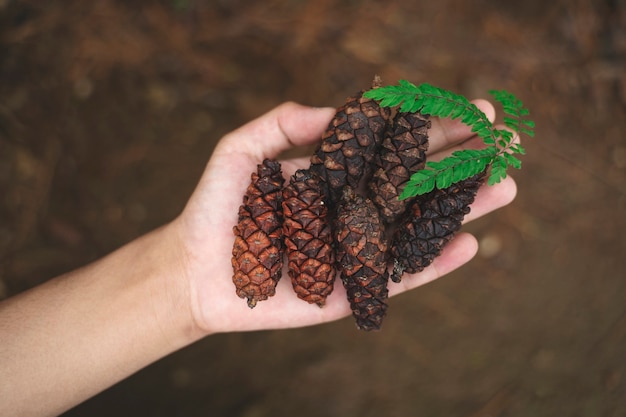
(205, 226)
(174, 285)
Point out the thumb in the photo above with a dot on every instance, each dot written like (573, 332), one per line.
(236, 156)
(284, 127)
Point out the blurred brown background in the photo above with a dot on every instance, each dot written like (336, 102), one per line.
(109, 112)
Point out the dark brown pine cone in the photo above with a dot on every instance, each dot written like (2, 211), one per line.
(308, 238)
(258, 249)
(361, 258)
(349, 144)
(429, 224)
(403, 152)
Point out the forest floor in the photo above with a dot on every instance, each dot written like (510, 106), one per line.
(109, 111)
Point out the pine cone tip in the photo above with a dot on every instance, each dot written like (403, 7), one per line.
(398, 270)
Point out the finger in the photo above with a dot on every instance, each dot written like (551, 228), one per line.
(290, 166)
(284, 304)
(473, 142)
(489, 197)
(456, 254)
(446, 132)
(492, 197)
(284, 127)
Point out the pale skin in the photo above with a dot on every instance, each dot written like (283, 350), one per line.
(78, 334)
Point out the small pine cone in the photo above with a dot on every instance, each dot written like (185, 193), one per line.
(258, 249)
(361, 258)
(403, 152)
(308, 238)
(429, 224)
(349, 143)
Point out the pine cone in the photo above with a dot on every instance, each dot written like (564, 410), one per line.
(361, 258)
(308, 238)
(403, 152)
(430, 223)
(258, 249)
(349, 144)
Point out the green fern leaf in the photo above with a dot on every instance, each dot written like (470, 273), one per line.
(441, 174)
(498, 170)
(517, 148)
(528, 132)
(421, 183)
(511, 123)
(407, 84)
(438, 102)
(512, 161)
(514, 107)
(444, 179)
(457, 111)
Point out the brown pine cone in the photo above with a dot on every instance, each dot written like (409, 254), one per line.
(361, 258)
(403, 152)
(349, 144)
(258, 249)
(308, 238)
(429, 224)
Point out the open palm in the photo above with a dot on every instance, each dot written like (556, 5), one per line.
(205, 226)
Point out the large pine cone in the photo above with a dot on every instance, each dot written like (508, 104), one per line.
(361, 258)
(308, 238)
(430, 223)
(258, 249)
(349, 143)
(403, 152)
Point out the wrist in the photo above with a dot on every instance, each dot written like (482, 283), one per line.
(95, 325)
(172, 302)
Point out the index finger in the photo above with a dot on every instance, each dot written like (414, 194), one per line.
(445, 133)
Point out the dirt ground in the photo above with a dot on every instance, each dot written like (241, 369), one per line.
(109, 112)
